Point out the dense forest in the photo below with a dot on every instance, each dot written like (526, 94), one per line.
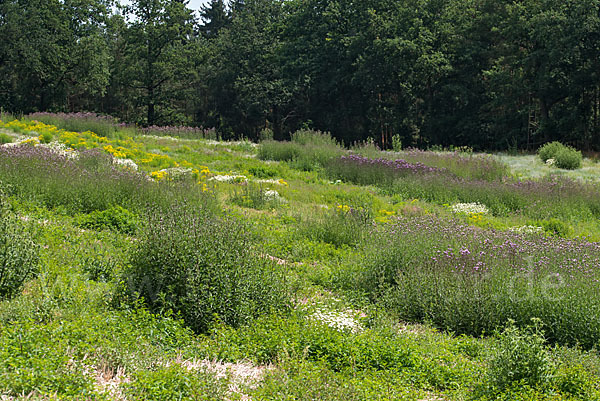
(491, 74)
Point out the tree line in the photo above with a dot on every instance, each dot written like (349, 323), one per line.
(492, 74)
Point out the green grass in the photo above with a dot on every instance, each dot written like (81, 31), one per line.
(351, 285)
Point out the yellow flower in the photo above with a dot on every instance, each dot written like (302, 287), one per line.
(158, 175)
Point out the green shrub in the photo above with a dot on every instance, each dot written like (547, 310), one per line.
(568, 158)
(556, 227)
(521, 357)
(99, 267)
(565, 157)
(263, 171)
(397, 143)
(5, 138)
(202, 266)
(266, 134)
(549, 150)
(18, 252)
(116, 218)
(176, 383)
(574, 380)
(46, 137)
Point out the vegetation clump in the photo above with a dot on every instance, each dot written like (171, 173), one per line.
(204, 267)
(562, 156)
(19, 254)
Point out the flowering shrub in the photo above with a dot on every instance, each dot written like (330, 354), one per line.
(470, 208)
(342, 321)
(364, 171)
(471, 280)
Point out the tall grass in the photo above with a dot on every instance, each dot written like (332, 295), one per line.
(82, 182)
(308, 150)
(465, 165)
(78, 122)
(473, 281)
(180, 132)
(543, 199)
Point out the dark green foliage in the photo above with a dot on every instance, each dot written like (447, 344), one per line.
(115, 218)
(18, 252)
(484, 74)
(202, 266)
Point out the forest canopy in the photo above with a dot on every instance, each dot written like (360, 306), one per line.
(491, 74)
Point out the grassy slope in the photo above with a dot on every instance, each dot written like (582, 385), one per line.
(63, 337)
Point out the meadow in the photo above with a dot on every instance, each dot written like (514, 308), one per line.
(165, 264)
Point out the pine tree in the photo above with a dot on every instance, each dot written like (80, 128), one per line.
(214, 17)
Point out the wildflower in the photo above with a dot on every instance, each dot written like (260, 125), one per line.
(229, 178)
(469, 208)
(341, 321)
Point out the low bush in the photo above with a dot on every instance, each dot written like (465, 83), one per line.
(256, 197)
(361, 170)
(549, 150)
(202, 266)
(520, 356)
(18, 252)
(564, 157)
(116, 218)
(176, 383)
(5, 138)
(568, 158)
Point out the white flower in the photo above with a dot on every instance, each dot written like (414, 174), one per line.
(272, 195)
(550, 162)
(273, 182)
(127, 163)
(527, 229)
(61, 149)
(176, 173)
(229, 178)
(470, 208)
(342, 321)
